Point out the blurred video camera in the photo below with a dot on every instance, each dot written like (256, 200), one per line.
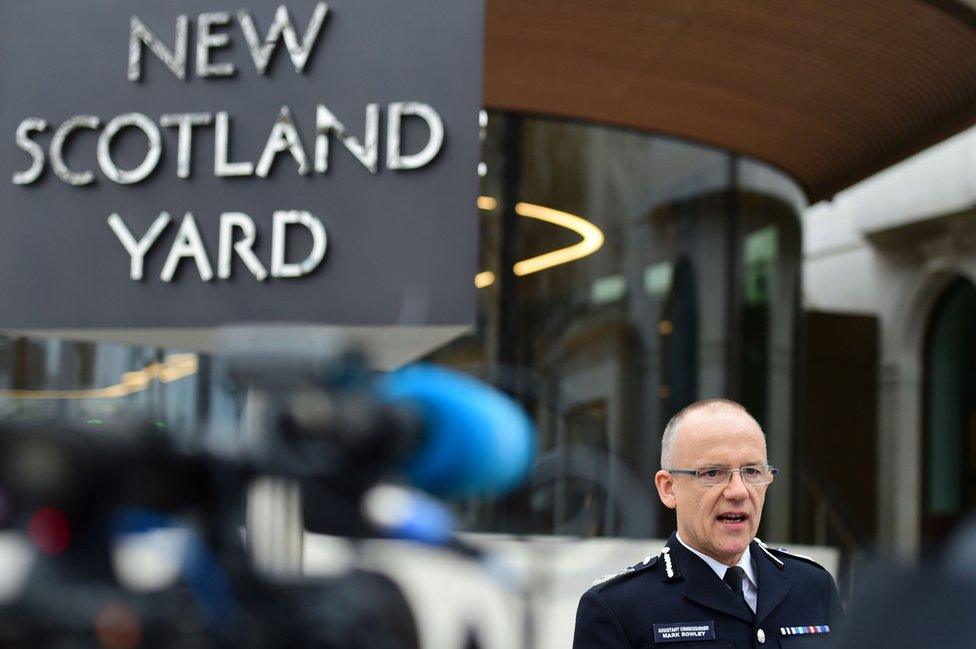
(135, 537)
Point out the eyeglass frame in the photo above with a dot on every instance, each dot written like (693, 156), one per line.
(694, 473)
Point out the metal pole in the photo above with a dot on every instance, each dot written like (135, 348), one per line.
(274, 524)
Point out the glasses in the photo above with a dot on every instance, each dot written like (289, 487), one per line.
(712, 476)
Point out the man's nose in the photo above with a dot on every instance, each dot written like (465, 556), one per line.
(736, 488)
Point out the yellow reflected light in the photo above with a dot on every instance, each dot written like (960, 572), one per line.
(487, 203)
(592, 239)
(174, 367)
(484, 279)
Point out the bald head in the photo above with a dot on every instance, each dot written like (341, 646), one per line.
(717, 408)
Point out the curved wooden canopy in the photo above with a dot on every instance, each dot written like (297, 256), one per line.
(830, 91)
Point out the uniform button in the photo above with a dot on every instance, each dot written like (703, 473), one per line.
(761, 636)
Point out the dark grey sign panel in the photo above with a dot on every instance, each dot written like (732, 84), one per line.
(178, 163)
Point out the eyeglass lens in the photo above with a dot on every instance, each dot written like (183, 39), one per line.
(721, 475)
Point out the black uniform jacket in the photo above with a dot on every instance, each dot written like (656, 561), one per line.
(674, 599)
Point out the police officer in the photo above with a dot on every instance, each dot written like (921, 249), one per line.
(714, 584)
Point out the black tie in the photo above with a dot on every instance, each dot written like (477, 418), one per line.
(733, 579)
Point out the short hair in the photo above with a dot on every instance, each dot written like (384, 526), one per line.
(670, 435)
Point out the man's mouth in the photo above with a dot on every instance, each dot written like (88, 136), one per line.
(732, 518)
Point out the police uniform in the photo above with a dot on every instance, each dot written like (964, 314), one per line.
(676, 597)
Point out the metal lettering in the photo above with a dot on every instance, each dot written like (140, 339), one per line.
(32, 148)
(244, 248)
(175, 60)
(77, 178)
(395, 113)
(222, 167)
(185, 122)
(367, 152)
(299, 52)
(137, 249)
(283, 136)
(282, 219)
(187, 244)
(207, 40)
(148, 164)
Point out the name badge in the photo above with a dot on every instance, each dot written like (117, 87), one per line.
(684, 631)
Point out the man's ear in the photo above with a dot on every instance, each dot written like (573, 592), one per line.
(664, 482)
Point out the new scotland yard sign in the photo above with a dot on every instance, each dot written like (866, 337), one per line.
(177, 163)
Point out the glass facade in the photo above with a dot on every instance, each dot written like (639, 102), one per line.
(624, 276)
(692, 294)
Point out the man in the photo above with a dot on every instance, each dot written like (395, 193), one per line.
(714, 584)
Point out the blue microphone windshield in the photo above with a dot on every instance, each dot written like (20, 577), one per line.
(476, 441)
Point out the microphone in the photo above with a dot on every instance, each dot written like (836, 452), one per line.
(476, 440)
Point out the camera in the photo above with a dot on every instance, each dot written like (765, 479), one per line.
(93, 503)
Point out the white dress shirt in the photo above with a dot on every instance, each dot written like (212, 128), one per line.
(750, 588)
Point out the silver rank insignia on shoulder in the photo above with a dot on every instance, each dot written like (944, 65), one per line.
(626, 571)
(612, 575)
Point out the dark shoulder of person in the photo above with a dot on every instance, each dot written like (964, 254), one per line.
(794, 561)
(617, 580)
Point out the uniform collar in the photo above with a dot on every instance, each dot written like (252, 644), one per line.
(774, 584)
(702, 585)
(745, 562)
(701, 581)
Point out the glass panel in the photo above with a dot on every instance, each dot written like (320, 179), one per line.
(760, 257)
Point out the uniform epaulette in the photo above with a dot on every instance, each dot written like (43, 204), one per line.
(786, 553)
(648, 562)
